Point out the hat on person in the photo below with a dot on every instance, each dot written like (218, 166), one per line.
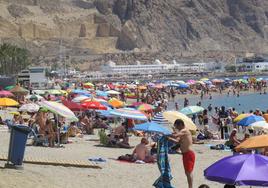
(234, 130)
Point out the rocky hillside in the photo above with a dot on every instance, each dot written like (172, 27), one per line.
(98, 30)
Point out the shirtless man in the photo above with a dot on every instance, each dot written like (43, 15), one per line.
(183, 137)
(142, 153)
(41, 119)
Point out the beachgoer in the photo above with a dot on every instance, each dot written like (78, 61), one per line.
(142, 153)
(183, 137)
(233, 139)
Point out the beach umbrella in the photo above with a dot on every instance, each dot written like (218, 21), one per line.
(88, 85)
(183, 86)
(80, 98)
(142, 87)
(39, 92)
(254, 142)
(105, 113)
(216, 81)
(54, 92)
(190, 110)
(204, 79)
(4, 93)
(9, 88)
(247, 121)
(136, 104)
(29, 107)
(240, 117)
(159, 119)
(180, 82)
(152, 127)
(158, 86)
(58, 109)
(129, 113)
(245, 170)
(17, 90)
(260, 124)
(172, 116)
(94, 105)
(34, 97)
(81, 92)
(8, 102)
(114, 102)
(112, 92)
(146, 107)
(72, 105)
(191, 82)
(101, 93)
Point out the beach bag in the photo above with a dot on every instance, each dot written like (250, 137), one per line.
(201, 136)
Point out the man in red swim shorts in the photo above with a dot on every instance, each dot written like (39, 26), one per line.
(183, 137)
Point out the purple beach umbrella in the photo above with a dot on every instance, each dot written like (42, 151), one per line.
(246, 169)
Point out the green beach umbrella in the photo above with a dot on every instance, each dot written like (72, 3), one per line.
(190, 110)
(9, 87)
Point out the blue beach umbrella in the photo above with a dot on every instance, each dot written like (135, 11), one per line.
(183, 86)
(101, 93)
(81, 92)
(247, 121)
(152, 127)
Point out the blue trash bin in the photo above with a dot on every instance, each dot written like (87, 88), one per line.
(17, 144)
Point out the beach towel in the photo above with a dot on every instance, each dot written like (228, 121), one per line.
(163, 164)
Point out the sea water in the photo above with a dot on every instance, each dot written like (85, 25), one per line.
(243, 103)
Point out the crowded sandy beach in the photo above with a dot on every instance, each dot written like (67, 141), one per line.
(142, 134)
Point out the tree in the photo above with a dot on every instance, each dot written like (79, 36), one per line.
(12, 59)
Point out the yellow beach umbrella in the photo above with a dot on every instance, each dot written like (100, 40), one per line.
(204, 79)
(8, 102)
(172, 116)
(254, 142)
(240, 117)
(116, 103)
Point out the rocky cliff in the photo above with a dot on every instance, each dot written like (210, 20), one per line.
(127, 29)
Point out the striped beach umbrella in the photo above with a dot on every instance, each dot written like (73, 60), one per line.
(129, 113)
(159, 118)
(58, 109)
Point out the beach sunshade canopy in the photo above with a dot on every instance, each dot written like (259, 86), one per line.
(183, 86)
(39, 92)
(190, 110)
(191, 82)
(88, 85)
(34, 97)
(112, 92)
(241, 170)
(159, 119)
(204, 79)
(254, 143)
(30, 107)
(94, 105)
(145, 107)
(172, 116)
(240, 117)
(54, 92)
(58, 109)
(128, 113)
(136, 104)
(81, 92)
(17, 90)
(72, 105)
(9, 87)
(114, 102)
(247, 121)
(260, 124)
(80, 98)
(101, 93)
(8, 102)
(152, 127)
(4, 93)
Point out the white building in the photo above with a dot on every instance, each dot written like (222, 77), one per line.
(112, 68)
(35, 76)
(254, 66)
(157, 66)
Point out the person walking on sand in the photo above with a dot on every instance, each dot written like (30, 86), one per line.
(183, 137)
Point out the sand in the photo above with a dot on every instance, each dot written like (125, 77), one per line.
(113, 174)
